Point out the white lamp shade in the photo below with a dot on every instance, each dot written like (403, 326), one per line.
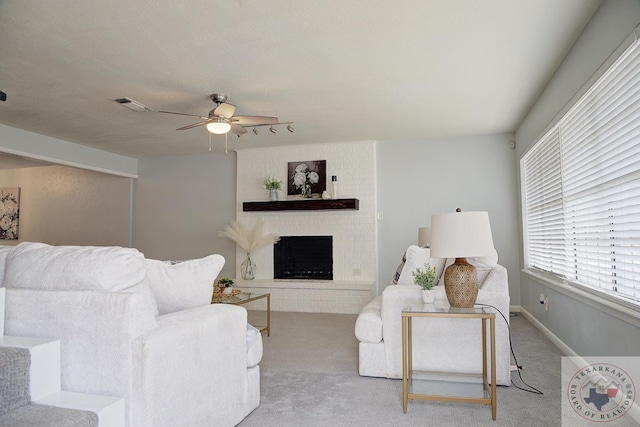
(218, 127)
(424, 236)
(461, 235)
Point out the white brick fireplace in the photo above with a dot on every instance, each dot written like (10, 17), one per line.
(354, 231)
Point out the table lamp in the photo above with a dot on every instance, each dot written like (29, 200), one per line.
(424, 237)
(460, 235)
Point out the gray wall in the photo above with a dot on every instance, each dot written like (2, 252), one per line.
(182, 203)
(67, 206)
(588, 327)
(417, 179)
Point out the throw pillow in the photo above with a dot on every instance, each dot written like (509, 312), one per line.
(183, 285)
(73, 268)
(398, 272)
(417, 257)
(484, 265)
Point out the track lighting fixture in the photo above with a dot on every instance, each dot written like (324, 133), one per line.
(290, 129)
(255, 131)
(273, 130)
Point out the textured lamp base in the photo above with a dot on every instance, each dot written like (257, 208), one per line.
(461, 284)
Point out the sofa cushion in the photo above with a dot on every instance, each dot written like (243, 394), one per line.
(417, 257)
(369, 322)
(4, 251)
(41, 266)
(183, 285)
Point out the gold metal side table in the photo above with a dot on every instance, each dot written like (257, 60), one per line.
(245, 298)
(449, 387)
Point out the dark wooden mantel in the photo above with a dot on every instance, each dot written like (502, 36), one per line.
(302, 205)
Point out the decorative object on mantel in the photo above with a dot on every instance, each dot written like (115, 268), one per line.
(249, 241)
(307, 177)
(325, 195)
(425, 279)
(225, 284)
(334, 182)
(9, 213)
(273, 184)
(460, 235)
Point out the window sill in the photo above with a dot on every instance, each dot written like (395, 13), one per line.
(619, 310)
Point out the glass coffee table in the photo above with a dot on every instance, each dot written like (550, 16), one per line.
(449, 387)
(245, 298)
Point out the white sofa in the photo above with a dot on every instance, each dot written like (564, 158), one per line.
(441, 345)
(137, 328)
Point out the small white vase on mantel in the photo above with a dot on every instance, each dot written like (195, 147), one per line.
(428, 296)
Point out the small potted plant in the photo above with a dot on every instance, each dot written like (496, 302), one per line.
(426, 279)
(273, 184)
(226, 284)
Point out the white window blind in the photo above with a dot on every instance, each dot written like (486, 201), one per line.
(581, 185)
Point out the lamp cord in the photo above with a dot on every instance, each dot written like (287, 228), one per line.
(518, 366)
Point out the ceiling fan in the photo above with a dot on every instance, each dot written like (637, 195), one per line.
(221, 119)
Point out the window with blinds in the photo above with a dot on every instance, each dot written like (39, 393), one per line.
(581, 188)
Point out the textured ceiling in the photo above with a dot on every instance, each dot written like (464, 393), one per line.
(341, 70)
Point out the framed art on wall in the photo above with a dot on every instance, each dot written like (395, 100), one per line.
(9, 212)
(307, 177)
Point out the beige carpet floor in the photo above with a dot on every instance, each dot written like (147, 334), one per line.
(309, 377)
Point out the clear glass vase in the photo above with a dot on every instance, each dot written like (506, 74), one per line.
(273, 195)
(247, 268)
(306, 190)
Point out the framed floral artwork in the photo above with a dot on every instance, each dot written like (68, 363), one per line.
(307, 178)
(9, 213)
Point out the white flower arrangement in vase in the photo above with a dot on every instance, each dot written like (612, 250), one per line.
(303, 177)
(249, 241)
(273, 184)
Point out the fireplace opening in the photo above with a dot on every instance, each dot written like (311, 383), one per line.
(303, 257)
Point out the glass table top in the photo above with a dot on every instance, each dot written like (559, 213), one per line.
(439, 307)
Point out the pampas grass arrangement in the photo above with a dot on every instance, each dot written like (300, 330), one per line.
(249, 240)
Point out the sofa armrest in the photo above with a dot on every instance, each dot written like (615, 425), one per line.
(369, 322)
(497, 280)
(187, 362)
(95, 329)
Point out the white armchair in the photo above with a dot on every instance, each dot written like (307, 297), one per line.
(172, 367)
(441, 345)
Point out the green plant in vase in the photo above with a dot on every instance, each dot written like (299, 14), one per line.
(273, 184)
(426, 279)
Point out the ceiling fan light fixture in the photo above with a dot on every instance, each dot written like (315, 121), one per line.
(273, 130)
(255, 131)
(218, 128)
(290, 129)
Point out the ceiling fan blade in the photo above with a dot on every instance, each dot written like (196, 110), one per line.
(183, 114)
(237, 129)
(225, 110)
(254, 120)
(194, 125)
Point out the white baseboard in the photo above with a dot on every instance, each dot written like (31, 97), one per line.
(554, 339)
